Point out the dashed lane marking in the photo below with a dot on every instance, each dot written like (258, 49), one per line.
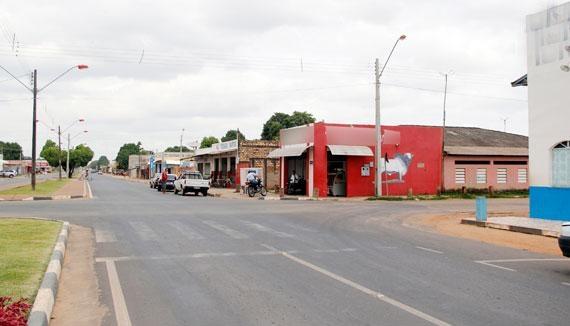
(266, 229)
(228, 231)
(430, 250)
(188, 232)
(363, 289)
(144, 231)
(494, 262)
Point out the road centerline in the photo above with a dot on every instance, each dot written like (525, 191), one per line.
(361, 288)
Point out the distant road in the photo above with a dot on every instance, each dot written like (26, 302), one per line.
(21, 180)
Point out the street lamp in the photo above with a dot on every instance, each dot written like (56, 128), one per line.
(377, 130)
(35, 92)
(69, 138)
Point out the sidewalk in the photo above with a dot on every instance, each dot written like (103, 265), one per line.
(548, 228)
(232, 194)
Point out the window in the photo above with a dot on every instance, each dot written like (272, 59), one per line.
(501, 175)
(561, 164)
(460, 175)
(522, 176)
(481, 175)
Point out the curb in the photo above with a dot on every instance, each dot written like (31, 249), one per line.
(513, 228)
(43, 305)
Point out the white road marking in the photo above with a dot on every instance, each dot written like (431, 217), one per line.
(566, 283)
(230, 232)
(493, 262)
(186, 230)
(104, 236)
(269, 230)
(271, 252)
(430, 250)
(121, 312)
(144, 231)
(89, 192)
(363, 289)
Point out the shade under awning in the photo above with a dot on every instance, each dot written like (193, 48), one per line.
(350, 150)
(289, 150)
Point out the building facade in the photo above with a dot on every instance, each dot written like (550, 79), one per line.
(221, 161)
(338, 160)
(476, 158)
(548, 60)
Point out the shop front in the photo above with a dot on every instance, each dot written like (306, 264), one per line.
(338, 160)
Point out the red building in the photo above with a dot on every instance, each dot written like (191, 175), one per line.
(338, 159)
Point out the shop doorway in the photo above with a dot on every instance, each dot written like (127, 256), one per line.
(299, 185)
(336, 175)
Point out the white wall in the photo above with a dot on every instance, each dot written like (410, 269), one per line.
(548, 33)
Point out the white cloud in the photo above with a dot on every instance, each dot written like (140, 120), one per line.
(214, 65)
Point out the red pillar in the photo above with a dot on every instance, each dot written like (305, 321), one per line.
(320, 160)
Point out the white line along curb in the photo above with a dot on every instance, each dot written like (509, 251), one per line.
(45, 299)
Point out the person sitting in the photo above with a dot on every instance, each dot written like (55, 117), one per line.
(294, 178)
(252, 178)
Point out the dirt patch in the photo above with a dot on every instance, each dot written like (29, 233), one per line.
(451, 225)
(77, 301)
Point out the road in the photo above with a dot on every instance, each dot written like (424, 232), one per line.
(172, 260)
(22, 180)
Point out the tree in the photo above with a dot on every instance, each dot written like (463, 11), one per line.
(232, 134)
(51, 153)
(81, 155)
(124, 152)
(176, 149)
(93, 165)
(208, 141)
(280, 121)
(102, 161)
(11, 151)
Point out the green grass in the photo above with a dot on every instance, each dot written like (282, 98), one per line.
(45, 188)
(25, 249)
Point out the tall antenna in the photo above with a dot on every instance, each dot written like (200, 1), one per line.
(505, 123)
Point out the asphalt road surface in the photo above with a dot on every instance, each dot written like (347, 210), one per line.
(173, 260)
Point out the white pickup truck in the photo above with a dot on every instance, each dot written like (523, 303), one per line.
(191, 182)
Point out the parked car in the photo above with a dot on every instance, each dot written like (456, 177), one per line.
(154, 181)
(8, 173)
(191, 182)
(169, 183)
(564, 240)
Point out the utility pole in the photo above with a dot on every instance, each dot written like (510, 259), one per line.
(377, 130)
(34, 120)
(442, 188)
(67, 163)
(59, 145)
(505, 124)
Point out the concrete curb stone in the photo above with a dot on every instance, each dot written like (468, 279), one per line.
(513, 228)
(45, 299)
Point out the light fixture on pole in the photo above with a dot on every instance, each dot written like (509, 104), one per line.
(377, 130)
(35, 92)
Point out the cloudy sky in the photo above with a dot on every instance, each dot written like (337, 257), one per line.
(156, 67)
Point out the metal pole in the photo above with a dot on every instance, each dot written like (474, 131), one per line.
(35, 91)
(67, 163)
(59, 145)
(442, 188)
(377, 131)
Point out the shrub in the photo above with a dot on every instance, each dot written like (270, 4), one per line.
(13, 313)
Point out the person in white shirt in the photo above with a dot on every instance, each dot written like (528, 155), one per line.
(251, 178)
(294, 178)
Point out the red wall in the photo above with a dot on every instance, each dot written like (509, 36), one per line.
(320, 160)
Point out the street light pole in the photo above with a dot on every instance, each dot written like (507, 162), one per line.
(67, 161)
(35, 92)
(34, 131)
(377, 129)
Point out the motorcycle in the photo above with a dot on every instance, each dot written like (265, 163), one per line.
(260, 188)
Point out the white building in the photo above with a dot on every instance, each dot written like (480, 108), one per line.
(548, 43)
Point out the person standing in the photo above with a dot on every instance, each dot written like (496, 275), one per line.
(163, 178)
